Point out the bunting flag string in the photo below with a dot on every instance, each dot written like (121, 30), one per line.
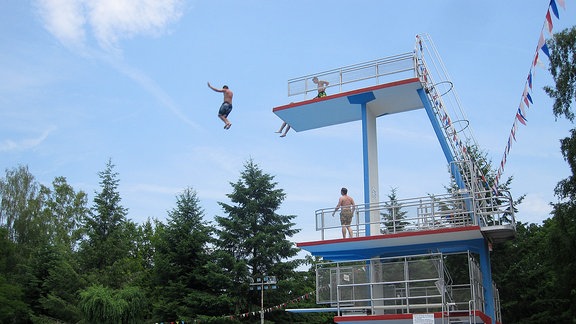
(273, 308)
(526, 98)
(269, 309)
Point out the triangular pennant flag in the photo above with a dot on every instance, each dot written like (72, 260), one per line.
(535, 59)
(554, 8)
(513, 131)
(527, 102)
(545, 50)
(549, 22)
(540, 64)
(541, 41)
(529, 98)
(562, 4)
(548, 27)
(521, 107)
(530, 79)
(521, 118)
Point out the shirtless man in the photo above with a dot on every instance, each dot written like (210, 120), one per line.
(226, 106)
(346, 205)
(321, 87)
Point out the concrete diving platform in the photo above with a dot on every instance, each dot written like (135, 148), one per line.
(387, 86)
(384, 99)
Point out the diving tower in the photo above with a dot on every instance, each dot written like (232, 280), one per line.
(396, 268)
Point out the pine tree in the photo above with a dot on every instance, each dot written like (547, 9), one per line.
(253, 233)
(393, 216)
(109, 233)
(188, 281)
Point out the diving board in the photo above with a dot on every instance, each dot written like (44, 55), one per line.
(389, 98)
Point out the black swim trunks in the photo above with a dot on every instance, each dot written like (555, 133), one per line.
(321, 94)
(225, 109)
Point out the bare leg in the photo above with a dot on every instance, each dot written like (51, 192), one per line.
(281, 128)
(350, 231)
(344, 231)
(227, 123)
(287, 129)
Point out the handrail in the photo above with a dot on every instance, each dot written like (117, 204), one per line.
(375, 70)
(459, 209)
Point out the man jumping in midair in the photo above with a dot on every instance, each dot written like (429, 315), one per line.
(226, 106)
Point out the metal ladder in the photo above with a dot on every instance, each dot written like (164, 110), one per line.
(456, 131)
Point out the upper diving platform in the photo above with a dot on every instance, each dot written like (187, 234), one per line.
(387, 86)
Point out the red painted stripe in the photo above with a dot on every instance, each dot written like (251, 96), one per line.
(348, 93)
(338, 319)
(395, 235)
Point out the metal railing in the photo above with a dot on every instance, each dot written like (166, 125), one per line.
(423, 213)
(357, 76)
(407, 284)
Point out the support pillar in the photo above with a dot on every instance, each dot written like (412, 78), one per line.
(370, 161)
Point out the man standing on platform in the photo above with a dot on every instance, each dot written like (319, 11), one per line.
(321, 87)
(226, 106)
(347, 207)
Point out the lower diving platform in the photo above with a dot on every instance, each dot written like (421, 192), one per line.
(423, 261)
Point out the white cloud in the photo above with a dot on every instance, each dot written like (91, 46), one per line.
(108, 21)
(112, 20)
(64, 19)
(75, 22)
(24, 144)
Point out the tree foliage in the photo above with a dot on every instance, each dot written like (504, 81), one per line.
(253, 230)
(105, 225)
(63, 212)
(393, 216)
(101, 305)
(188, 283)
(561, 242)
(253, 234)
(109, 249)
(19, 212)
(536, 270)
(563, 69)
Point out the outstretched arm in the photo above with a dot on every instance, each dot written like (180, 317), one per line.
(215, 89)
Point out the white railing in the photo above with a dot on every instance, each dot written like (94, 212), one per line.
(357, 76)
(406, 284)
(422, 213)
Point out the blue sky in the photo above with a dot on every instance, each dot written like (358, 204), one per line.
(82, 82)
